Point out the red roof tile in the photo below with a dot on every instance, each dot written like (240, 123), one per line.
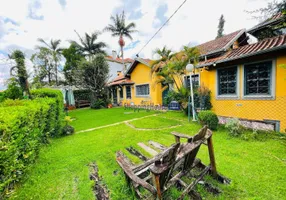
(119, 60)
(248, 50)
(120, 80)
(274, 19)
(219, 44)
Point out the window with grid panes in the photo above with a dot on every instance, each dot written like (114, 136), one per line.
(195, 79)
(128, 92)
(257, 78)
(227, 81)
(142, 90)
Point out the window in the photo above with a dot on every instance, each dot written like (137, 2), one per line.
(142, 90)
(195, 79)
(257, 78)
(121, 93)
(227, 81)
(128, 92)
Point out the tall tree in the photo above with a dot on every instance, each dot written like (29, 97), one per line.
(43, 65)
(73, 58)
(220, 27)
(54, 47)
(93, 75)
(19, 70)
(118, 27)
(89, 46)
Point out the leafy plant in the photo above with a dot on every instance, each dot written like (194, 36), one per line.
(234, 127)
(68, 129)
(13, 91)
(98, 104)
(208, 118)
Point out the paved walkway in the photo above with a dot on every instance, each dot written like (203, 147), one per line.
(115, 124)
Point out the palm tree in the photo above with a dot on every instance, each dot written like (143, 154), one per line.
(53, 46)
(165, 56)
(88, 45)
(19, 70)
(119, 28)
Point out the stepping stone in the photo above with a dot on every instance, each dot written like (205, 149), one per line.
(148, 149)
(157, 145)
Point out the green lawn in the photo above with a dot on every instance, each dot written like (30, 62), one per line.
(257, 168)
(88, 118)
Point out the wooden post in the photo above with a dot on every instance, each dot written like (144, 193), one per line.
(177, 139)
(212, 157)
(156, 182)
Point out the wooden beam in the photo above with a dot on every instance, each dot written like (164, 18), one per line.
(157, 145)
(212, 157)
(195, 182)
(148, 149)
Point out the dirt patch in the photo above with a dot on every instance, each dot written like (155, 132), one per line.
(100, 190)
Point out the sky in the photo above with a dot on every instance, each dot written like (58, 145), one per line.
(23, 21)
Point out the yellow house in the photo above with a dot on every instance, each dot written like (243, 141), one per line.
(247, 80)
(136, 86)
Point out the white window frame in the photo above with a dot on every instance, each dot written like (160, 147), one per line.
(228, 96)
(272, 94)
(142, 95)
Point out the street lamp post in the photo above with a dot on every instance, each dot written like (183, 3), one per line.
(190, 69)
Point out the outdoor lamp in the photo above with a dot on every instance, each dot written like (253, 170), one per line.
(190, 67)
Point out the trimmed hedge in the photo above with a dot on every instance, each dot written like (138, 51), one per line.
(208, 118)
(24, 126)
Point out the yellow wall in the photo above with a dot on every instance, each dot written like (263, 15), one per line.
(142, 75)
(255, 109)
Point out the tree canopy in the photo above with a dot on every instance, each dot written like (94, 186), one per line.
(220, 27)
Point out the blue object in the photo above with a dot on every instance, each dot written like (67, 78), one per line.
(174, 105)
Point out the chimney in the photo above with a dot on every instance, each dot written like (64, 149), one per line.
(114, 54)
(119, 73)
(235, 45)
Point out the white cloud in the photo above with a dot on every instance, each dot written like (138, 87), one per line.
(195, 22)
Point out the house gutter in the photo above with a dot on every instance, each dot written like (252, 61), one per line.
(244, 56)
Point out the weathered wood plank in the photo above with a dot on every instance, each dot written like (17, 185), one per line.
(148, 149)
(136, 153)
(157, 145)
(192, 185)
(121, 160)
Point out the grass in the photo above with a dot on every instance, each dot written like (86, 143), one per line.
(88, 118)
(155, 123)
(256, 168)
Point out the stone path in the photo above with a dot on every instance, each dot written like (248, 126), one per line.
(150, 129)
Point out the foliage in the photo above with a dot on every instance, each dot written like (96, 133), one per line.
(82, 95)
(68, 129)
(93, 76)
(202, 98)
(43, 66)
(19, 70)
(54, 51)
(73, 58)
(208, 118)
(59, 106)
(98, 104)
(220, 27)
(119, 28)
(25, 125)
(13, 91)
(88, 46)
(234, 127)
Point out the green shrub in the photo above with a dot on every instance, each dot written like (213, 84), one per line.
(13, 90)
(68, 129)
(24, 126)
(208, 118)
(58, 107)
(82, 95)
(234, 127)
(98, 104)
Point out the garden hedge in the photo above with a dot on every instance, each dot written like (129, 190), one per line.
(24, 126)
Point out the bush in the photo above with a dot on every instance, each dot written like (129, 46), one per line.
(58, 107)
(24, 126)
(98, 104)
(82, 95)
(208, 118)
(234, 127)
(68, 129)
(13, 90)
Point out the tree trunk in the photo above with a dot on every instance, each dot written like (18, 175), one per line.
(56, 68)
